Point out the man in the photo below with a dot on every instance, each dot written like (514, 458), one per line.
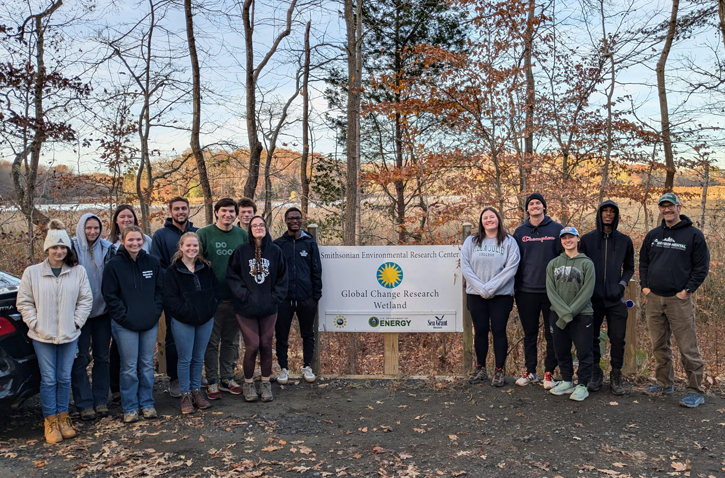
(538, 244)
(163, 246)
(247, 210)
(218, 241)
(304, 272)
(613, 255)
(673, 261)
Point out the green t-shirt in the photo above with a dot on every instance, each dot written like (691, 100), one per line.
(217, 246)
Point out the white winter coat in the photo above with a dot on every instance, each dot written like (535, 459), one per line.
(54, 308)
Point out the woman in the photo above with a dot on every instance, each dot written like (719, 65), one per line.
(133, 291)
(93, 253)
(190, 299)
(570, 283)
(55, 299)
(257, 276)
(123, 217)
(489, 259)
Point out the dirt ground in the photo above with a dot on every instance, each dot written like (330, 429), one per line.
(385, 428)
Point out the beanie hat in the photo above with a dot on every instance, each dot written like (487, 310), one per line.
(57, 236)
(535, 196)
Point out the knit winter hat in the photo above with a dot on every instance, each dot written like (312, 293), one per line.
(57, 235)
(535, 196)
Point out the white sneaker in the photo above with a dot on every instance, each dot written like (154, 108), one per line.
(527, 379)
(283, 376)
(549, 381)
(308, 375)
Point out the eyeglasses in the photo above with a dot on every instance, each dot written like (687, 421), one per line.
(671, 207)
(259, 226)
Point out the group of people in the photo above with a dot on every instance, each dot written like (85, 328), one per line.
(209, 286)
(575, 283)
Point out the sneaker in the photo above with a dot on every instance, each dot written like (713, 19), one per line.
(692, 400)
(580, 393)
(283, 376)
(562, 388)
(656, 390)
(549, 381)
(595, 384)
(187, 404)
(230, 386)
(308, 374)
(174, 389)
(266, 389)
(101, 411)
(615, 382)
(199, 401)
(250, 392)
(149, 413)
(131, 417)
(479, 375)
(88, 414)
(499, 378)
(527, 379)
(204, 382)
(212, 392)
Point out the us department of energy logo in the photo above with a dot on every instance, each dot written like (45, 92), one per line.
(373, 321)
(340, 321)
(390, 275)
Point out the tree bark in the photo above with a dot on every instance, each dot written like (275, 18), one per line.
(721, 14)
(352, 18)
(610, 94)
(662, 93)
(703, 200)
(304, 178)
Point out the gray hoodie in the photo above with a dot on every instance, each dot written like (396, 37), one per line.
(93, 260)
(490, 269)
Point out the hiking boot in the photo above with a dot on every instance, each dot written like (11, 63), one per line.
(615, 382)
(562, 388)
(230, 386)
(250, 392)
(187, 404)
(283, 376)
(101, 411)
(65, 425)
(549, 381)
(499, 378)
(656, 390)
(692, 400)
(308, 375)
(580, 393)
(266, 389)
(174, 389)
(149, 413)
(595, 384)
(199, 401)
(52, 430)
(88, 414)
(212, 392)
(131, 417)
(479, 375)
(526, 379)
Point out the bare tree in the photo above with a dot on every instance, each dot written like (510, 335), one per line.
(304, 178)
(662, 93)
(353, 22)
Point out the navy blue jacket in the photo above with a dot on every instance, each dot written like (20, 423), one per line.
(538, 245)
(304, 268)
(613, 257)
(191, 297)
(165, 242)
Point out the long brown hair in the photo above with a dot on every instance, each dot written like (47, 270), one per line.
(115, 232)
(178, 255)
(258, 269)
(481, 234)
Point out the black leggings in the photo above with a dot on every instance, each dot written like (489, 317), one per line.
(490, 315)
(257, 334)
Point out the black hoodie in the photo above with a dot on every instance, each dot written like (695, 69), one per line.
(613, 257)
(191, 297)
(304, 267)
(257, 296)
(166, 241)
(538, 245)
(674, 258)
(133, 290)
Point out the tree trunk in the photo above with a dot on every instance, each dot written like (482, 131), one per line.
(353, 121)
(610, 95)
(721, 14)
(703, 201)
(662, 93)
(304, 178)
(530, 84)
(255, 146)
(196, 118)
(268, 185)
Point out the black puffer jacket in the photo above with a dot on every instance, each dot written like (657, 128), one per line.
(257, 296)
(133, 290)
(304, 268)
(191, 297)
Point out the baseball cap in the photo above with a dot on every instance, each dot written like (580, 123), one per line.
(569, 230)
(669, 197)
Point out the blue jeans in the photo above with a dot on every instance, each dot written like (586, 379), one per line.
(137, 366)
(191, 342)
(95, 333)
(55, 362)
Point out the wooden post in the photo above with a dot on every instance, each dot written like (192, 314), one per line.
(467, 321)
(312, 229)
(630, 348)
(161, 343)
(390, 354)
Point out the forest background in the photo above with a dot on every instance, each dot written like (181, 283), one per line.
(386, 122)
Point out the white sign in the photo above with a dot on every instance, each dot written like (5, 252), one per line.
(391, 289)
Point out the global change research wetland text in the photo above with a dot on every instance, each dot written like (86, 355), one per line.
(388, 294)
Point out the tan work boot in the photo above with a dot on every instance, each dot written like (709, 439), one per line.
(52, 432)
(66, 426)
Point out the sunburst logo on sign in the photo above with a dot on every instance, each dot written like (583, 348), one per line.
(390, 275)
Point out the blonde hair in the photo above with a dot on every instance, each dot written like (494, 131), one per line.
(178, 255)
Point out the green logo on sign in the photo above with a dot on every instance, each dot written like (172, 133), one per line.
(373, 321)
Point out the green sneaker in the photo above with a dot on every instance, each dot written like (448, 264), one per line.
(562, 388)
(579, 393)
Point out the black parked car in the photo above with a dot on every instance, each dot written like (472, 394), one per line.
(19, 373)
